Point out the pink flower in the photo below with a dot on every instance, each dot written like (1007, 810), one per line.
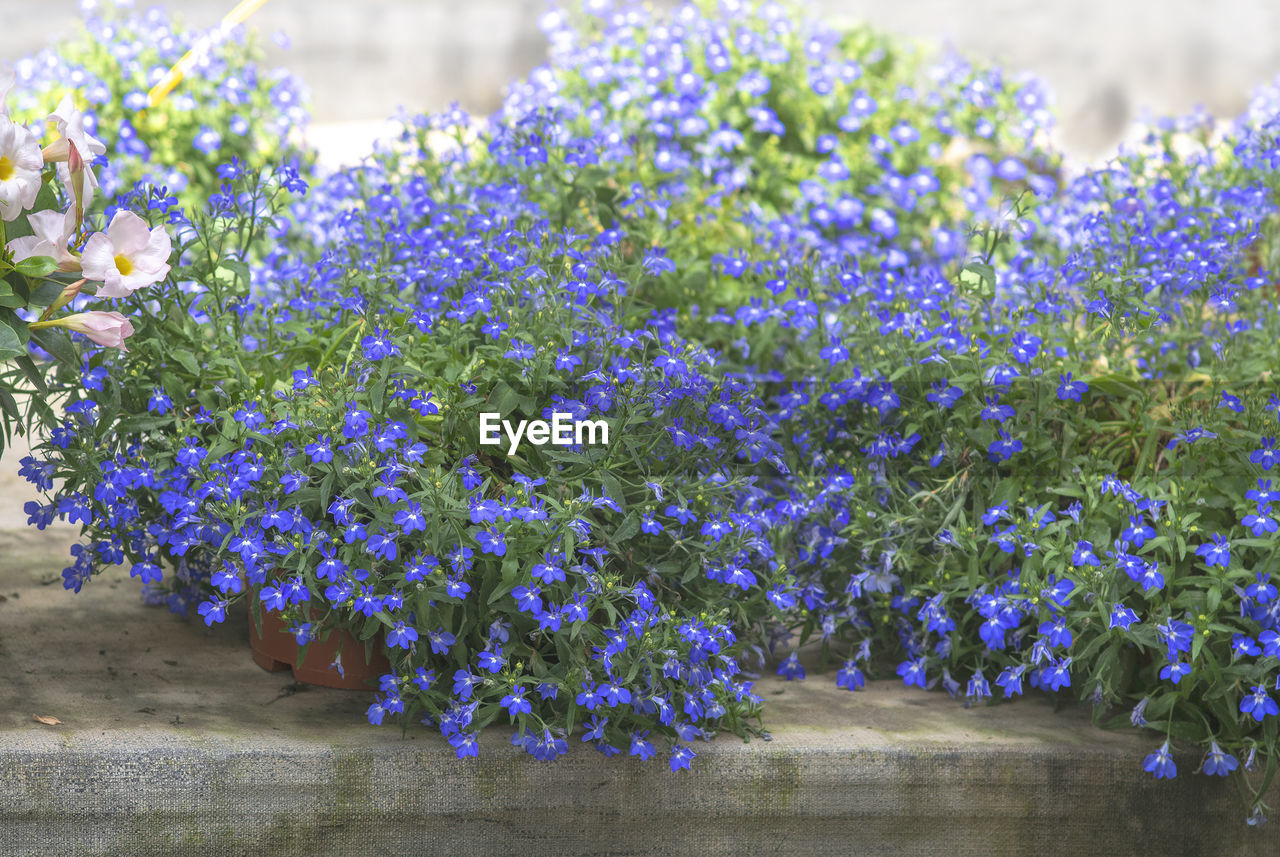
(52, 232)
(127, 256)
(105, 328)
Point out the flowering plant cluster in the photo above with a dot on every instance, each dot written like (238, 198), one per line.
(228, 105)
(51, 258)
(880, 378)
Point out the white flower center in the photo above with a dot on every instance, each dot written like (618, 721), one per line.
(123, 265)
(6, 169)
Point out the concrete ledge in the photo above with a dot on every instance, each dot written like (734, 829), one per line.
(173, 742)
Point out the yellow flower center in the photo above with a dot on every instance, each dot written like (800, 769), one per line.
(123, 265)
(6, 169)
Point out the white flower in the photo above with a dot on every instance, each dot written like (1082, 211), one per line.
(127, 256)
(53, 231)
(20, 165)
(70, 122)
(74, 153)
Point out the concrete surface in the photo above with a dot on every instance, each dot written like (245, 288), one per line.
(1105, 59)
(172, 741)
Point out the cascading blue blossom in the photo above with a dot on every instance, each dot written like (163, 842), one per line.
(884, 377)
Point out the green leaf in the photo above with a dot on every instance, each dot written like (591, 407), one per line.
(979, 274)
(11, 344)
(238, 268)
(36, 266)
(8, 298)
(187, 360)
(46, 292)
(629, 527)
(504, 399)
(498, 592)
(9, 404)
(32, 373)
(614, 489)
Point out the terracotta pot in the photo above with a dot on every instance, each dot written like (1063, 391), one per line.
(276, 650)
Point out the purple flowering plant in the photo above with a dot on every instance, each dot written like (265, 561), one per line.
(230, 105)
(342, 478)
(881, 377)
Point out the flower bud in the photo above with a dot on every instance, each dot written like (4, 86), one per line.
(109, 329)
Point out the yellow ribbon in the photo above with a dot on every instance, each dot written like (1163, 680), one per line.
(175, 75)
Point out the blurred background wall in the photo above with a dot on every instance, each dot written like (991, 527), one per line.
(1104, 59)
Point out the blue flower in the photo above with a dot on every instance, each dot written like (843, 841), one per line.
(1175, 671)
(1160, 763)
(1083, 555)
(1010, 680)
(492, 660)
(378, 345)
(1069, 390)
(1138, 531)
(159, 403)
(1122, 617)
(913, 672)
(1218, 763)
(207, 140)
(791, 668)
(1176, 635)
(214, 610)
(1261, 523)
(1056, 632)
(411, 519)
(149, 572)
(465, 744)
(850, 677)
(1057, 675)
(463, 683)
(1216, 553)
(401, 636)
(528, 598)
(943, 395)
(515, 702)
(1242, 645)
(249, 416)
(996, 513)
(1267, 455)
(1003, 448)
(681, 757)
(717, 527)
(996, 411)
(492, 542)
(588, 698)
(1190, 436)
(1263, 494)
(1261, 590)
(441, 641)
(1258, 704)
(355, 422)
(1231, 403)
(641, 747)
